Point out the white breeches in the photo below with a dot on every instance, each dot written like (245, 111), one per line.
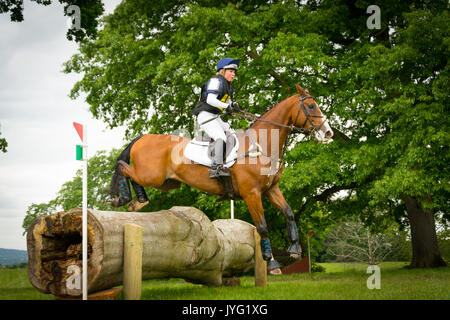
(215, 128)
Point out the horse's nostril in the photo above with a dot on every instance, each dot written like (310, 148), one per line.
(329, 134)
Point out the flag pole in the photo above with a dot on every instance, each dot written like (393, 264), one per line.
(84, 227)
(232, 209)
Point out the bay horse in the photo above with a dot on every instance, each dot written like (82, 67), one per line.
(153, 165)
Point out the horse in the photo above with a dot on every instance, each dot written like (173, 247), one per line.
(153, 165)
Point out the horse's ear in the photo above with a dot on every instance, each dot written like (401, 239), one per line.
(299, 89)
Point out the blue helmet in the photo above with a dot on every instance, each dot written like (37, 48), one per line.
(228, 63)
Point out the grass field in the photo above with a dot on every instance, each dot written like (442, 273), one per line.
(340, 281)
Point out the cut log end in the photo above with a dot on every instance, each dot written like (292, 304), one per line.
(55, 252)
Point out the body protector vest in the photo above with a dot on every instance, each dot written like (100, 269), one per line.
(217, 85)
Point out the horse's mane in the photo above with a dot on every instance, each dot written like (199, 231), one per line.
(267, 112)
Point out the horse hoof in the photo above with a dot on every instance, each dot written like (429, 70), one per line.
(274, 267)
(115, 202)
(136, 205)
(295, 256)
(295, 250)
(275, 272)
(119, 201)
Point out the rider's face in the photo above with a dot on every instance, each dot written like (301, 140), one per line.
(229, 74)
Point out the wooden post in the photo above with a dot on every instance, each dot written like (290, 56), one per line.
(132, 262)
(260, 263)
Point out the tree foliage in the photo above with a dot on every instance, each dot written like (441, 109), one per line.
(3, 144)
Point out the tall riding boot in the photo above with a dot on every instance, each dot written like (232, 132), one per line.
(217, 169)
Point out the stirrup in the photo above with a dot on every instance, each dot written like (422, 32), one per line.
(218, 171)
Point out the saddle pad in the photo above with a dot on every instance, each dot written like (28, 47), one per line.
(198, 152)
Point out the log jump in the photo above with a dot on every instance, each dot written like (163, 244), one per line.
(180, 242)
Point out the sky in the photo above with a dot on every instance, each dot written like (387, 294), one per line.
(36, 115)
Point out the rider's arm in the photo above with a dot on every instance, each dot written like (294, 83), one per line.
(213, 88)
(213, 101)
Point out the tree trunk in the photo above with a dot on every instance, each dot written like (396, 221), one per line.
(423, 236)
(181, 242)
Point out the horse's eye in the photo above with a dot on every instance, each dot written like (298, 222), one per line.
(311, 106)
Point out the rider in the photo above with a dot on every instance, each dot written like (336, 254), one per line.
(216, 96)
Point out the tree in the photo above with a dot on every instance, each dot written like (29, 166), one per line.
(400, 110)
(383, 90)
(389, 101)
(350, 240)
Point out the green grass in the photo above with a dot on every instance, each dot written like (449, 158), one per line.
(14, 285)
(340, 281)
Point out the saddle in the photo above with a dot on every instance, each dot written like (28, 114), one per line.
(201, 150)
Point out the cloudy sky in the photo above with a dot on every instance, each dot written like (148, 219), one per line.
(36, 115)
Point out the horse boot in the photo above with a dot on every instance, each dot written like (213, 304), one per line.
(125, 193)
(217, 170)
(295, 250)
(273, 266)
(266, 251)
(142, 199)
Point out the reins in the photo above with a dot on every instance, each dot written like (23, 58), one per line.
(254, 117)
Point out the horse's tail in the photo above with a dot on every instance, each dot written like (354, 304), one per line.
(114, 188)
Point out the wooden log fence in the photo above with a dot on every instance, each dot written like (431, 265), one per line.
(180, 242)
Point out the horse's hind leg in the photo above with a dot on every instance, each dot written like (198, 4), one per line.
(125, 192)
(142, 200)
(275, 197)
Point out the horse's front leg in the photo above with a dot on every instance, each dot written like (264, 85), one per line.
(254, 204)
(275, 197)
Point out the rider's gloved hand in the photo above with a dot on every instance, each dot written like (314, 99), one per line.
(229, 111)
(236, 107)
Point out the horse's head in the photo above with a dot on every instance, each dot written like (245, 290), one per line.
(307, 114)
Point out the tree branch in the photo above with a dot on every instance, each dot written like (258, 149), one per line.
(324, 196)
(254, 55)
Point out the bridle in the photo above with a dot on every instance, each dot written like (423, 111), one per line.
(292, 127)
(308, 116)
